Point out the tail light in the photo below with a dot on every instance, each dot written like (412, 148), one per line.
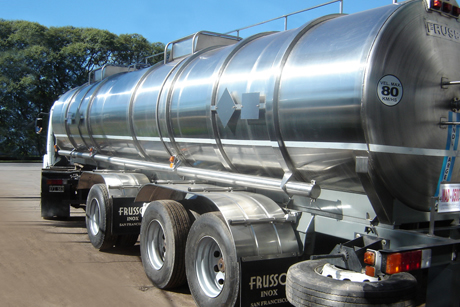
(445, 7)
(383, 262)
(456, 11)
(370, 271)
(54, 182)
(406, 261)
(436, 4)
(369, 257)
(174, 162)
(370, 260)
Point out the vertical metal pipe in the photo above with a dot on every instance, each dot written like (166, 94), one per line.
(341, 7)
(285, 22)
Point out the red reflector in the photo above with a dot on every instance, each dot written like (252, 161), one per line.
(53, 181)
(403, 262)
(446, 7)
(436, 4)
(456, 11)
(411, 260)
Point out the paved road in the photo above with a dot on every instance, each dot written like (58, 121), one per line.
(52, 263)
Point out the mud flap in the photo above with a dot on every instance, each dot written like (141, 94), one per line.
(58, 192)
(54, 207)
(262, 282)
(126, 216)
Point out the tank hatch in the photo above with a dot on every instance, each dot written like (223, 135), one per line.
(196, 42)
(107, 71)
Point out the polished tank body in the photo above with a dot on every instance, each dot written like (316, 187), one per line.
(307, 101)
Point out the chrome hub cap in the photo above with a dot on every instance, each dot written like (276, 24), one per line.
(156, 244)
(210, 266)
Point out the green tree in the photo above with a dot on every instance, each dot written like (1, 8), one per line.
(38, 64)
(133, 48)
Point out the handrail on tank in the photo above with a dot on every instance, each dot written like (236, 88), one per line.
(104, 71)
(183, 39)
(194, 38)
(287, 15)
(152, 56)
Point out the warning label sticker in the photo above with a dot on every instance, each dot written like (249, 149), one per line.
(449, 198)
(390, 90)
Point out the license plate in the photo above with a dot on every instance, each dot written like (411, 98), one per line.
(56, 188)
(449, 197)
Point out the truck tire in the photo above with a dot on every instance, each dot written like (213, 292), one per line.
(306, 287)
(98, 221)
(211, 264)
(164, 230)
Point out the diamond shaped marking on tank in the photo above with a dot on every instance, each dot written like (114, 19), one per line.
(226, 106)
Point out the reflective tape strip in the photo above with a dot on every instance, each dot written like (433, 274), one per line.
(256, 143)
(450, 151)
(113, 137)
(195, 141)
(327, 145)
(451, 145)
(411, 151)
(148, 139)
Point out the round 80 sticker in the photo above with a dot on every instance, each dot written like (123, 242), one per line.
(390, 90)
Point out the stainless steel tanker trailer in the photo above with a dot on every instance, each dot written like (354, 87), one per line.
(329, 150)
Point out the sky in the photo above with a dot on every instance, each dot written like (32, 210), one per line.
(169, 20)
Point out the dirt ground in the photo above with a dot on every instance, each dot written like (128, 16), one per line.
(52, 262)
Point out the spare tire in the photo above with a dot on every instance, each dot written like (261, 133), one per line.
(305, 286)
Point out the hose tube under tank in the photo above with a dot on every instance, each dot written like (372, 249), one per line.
(311, 190)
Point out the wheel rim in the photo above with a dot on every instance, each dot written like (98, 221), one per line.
(210, 267)
(156, 244)
(94, 217)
